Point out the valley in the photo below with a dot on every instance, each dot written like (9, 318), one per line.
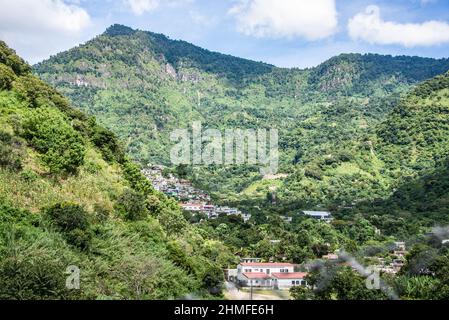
(86, 177)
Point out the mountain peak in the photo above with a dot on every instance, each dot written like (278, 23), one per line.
(119, 30)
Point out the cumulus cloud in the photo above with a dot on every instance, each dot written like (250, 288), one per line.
(34, 15)
(38, 28)
(370, 27)
(139, 7)
(312, 20)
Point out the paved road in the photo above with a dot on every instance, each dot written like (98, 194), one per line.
(232, 293)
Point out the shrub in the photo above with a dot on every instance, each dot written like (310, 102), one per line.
(9, 58)
(32, 278)
(79, 238)
(62, 148)
(11, 152)
(10, 215)
(34, 91)
(7, 77)
(179, 256)
(136, 179)
(314, 172)
(131, 205)
(153, 203)
(73, 221)
(108, 144)
(102, 214)
(68, 217)
(29, 175)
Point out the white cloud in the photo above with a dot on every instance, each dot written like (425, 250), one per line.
(370, 27)
(202, 20)
(312, 20)
(424, 2)
(37, 15)
(140, 7)
(39, 28)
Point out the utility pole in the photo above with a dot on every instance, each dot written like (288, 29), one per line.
(251, 292)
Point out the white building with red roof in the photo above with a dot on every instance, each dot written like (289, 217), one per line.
(272, 275)
(192, 206)
(288, 280)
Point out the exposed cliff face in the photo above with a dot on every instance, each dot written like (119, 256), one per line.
(183, 76)
(170, 70)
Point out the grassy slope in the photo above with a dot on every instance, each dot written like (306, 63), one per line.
(158, 256)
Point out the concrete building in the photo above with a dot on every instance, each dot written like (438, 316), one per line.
(272, 275)
(285, 281)
(287, 219)
(319, 215)
(195, 207)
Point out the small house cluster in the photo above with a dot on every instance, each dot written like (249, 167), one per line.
(317, 215)
(213, 212)
(174, 187)
(191, 199)
(397, 254)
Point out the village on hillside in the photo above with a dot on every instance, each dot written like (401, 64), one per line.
(190, 198)
(197, 201)
(252, 272)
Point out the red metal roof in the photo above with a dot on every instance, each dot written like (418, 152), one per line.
(269, 264)
(290, 275)
(256, 275)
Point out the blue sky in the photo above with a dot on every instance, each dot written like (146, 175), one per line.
(287, 33)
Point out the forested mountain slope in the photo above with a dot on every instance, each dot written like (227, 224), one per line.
(142, 85)
(70, 197)
(415, 135)
(413, 143)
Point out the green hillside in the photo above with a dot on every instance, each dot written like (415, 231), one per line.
(413, 144)
(142, 85)
(359, 136)
(70, 197)
(415, 134)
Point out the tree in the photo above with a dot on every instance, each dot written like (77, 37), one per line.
(7, 77)
(73, 221)
(108, 144)
(11, 152)
(68, 217)
(213, 278)
(131, 205)
(62, 148)
(302, 293)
